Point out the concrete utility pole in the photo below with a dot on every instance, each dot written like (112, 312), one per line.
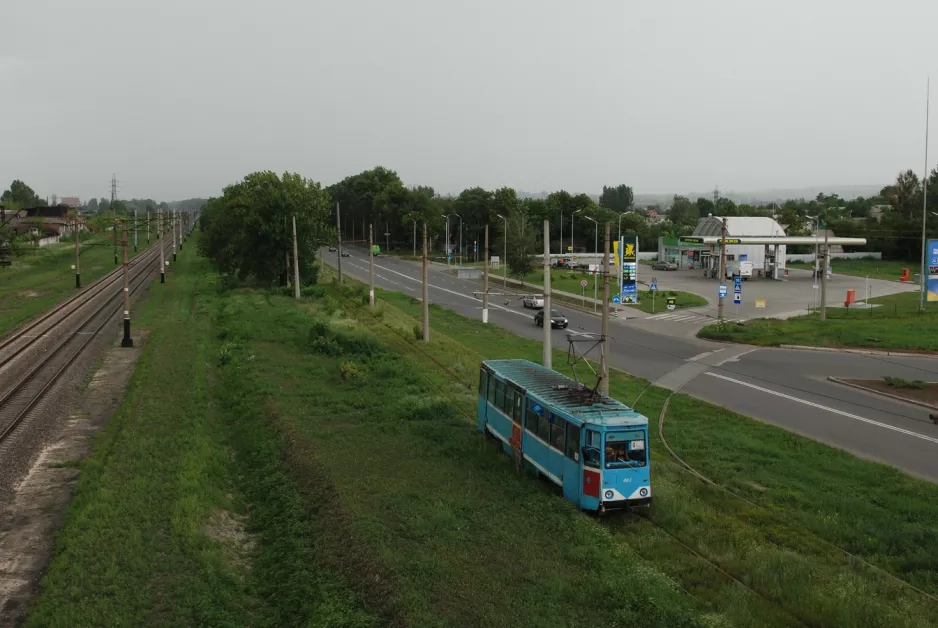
(824, 279)
(548, 351)
(77, 266)
(135, 229)
(485, 278)
(127, 341)
(172, 226)
(722, 267)
(296, 264)
(116, 224)
(426, 285)
(160, 243)
(604, 351)
(924, 276)
(338, 226)
(148, 226)
(371, 266)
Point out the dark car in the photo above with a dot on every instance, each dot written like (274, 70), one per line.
(346, 254)
(664, 266)
(557, 319)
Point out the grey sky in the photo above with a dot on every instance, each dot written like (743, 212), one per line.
(180, 97)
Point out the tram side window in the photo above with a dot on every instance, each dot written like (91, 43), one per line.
(557, 432)
(593, 452)
(499, 393)
(519, 407)
(530, 419)
(543, 429)
(573, 441)
(483, 378)
(507, 401)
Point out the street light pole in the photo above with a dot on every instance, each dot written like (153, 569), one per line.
(460, 237)
(924, 276)
(446, 248)
(505, 242)
(572, 216)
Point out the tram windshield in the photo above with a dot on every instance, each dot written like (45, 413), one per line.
(627, 450)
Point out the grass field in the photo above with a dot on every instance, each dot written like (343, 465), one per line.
(874, 268)
(343, 459)
(895, 324)
(40, 278)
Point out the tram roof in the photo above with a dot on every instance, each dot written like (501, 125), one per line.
(553, 388)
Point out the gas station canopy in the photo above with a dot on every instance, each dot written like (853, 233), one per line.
(780, 240)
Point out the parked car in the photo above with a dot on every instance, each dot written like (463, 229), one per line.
(664, 266)
(557, 319)
(533, 301)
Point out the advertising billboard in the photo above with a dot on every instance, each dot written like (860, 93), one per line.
(628, 248)
(932, 279)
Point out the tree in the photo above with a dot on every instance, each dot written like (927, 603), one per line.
(21, 196)
(247, 232)
(523, 241)
(618, 199)
(683, 212)
(92, 205)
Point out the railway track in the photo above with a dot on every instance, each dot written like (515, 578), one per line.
(33, 358)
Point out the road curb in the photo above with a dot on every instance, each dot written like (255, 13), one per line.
(837, 380)
(895, 354)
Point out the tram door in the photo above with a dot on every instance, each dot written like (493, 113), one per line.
(592, 464)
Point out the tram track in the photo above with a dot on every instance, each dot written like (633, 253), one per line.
(44, 349)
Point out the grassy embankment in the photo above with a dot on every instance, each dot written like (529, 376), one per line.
(873, 268)
(896, 324)
(368, 498)
(40, 278)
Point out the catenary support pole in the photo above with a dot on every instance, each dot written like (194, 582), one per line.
(172, 226)
(723, 267)
(338, 227)
(371, 265)
(148, 226)
(604, 352)
(426, 285)
(127, 341)
(485, 278)
(77, 253)
(116, 225)
(823, 277)
(161, 244)
(296, 264)
(135, 229)
(545, 321)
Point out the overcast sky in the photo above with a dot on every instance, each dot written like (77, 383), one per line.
(181, 97)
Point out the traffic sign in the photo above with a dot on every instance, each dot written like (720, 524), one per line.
(672, 303)
(722, 292)
(737, 281)
(616, 299)
(654, 287)
(584, 283)
(737, 297)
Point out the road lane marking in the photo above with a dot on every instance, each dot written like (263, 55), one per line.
(829, 409)
(735, 358)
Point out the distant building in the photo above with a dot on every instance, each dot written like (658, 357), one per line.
(70, 201)
(652, 217)
(760, 255)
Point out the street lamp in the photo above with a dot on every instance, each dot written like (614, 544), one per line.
(561, 233)
(817, 227)
(505, 260)
(621, 214)
(415, 238)
(446, 246)
(571, 228)
(460, 237)
(596, 240)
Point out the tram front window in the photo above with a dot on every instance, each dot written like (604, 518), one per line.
(629, 452)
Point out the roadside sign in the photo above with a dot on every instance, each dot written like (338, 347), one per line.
(616, 299)
(672, 303)
(722, 292)
(760, 303)
(569, 249)
(584, 283)
(738, 282)
(654, 287)
(737, 297)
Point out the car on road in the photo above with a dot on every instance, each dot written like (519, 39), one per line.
(332, 249)
(346, 254)
(557, 319)
(664, 266)
(533, 301)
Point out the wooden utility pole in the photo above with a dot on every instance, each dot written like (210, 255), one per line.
(604, 350)
(296, 264)
(426, 286)
(127, 341)
(548, 351)
(338, 227)
(77, 266)
(485, 278)
(722, 267)
(161, 244)
(371, 265)
(823, 278)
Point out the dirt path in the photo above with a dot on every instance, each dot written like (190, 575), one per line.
(29, 524)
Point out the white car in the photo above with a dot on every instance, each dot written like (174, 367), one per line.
(533, 302)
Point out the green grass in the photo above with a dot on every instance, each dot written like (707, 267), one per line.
(874, 268)
(352, 456)
(40, 278)
(896, 324)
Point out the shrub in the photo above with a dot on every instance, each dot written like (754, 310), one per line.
(349, 371)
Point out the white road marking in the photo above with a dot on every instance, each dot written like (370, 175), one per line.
(735, 358)
(701, 356)
(819, 406)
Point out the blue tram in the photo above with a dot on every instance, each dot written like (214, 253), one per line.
(594, 448)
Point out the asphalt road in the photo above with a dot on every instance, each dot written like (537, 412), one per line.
(784, 387)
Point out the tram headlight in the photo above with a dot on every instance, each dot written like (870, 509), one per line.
(643, 492)
(609, 494)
